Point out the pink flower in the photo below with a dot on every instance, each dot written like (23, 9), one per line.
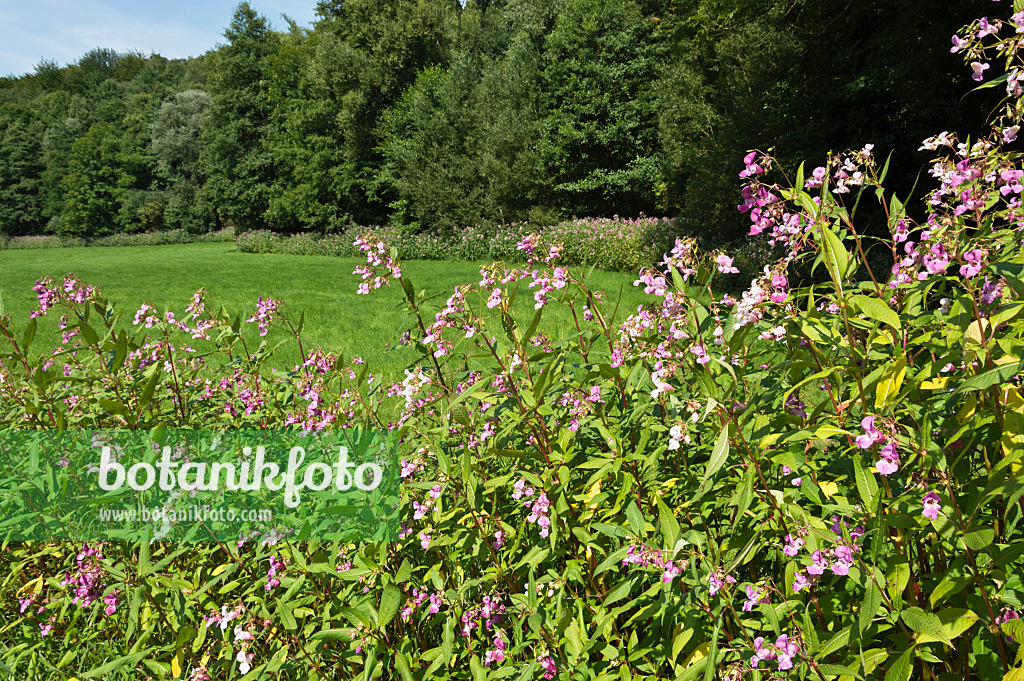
(548, 663)
(787, 649)
(424, 539)
(819, 565)
(932, 505)
(844, 560)
(725, 264)
(871, 434)
(974, 264)
(244, 660)
(979, 70)
(754, 597)
(889, 460)
(793, 545)
(985, 28)
(958, 44)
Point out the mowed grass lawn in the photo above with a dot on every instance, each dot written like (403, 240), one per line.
(323, 287)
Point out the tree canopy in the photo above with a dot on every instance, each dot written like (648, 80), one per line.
(430, 114)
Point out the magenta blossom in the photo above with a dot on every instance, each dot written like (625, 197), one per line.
(871, 434)
(889, 460)
(932, 505)
(974, 259)
(725, 264)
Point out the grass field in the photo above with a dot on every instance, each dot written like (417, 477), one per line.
(324, 287)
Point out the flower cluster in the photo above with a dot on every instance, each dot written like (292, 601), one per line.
(539, 507)
(436, 599)
(277, 566)
(265, 313)
(87, 578)
(70, 290)
(889, 460)
(781, 652)
(377, 256)
(646, 556)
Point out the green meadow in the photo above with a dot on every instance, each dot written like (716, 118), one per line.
(319, 287)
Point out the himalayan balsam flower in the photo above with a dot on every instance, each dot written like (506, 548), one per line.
(974, 259)
(932, 505)
(871, 434)
(793, 545)
(889, 460)
(755, 596)
(725, 264)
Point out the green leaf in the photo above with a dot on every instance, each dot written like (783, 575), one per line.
(89, 333)
(900, 670)
(669, 524)
(867, 487)
(635, 518)
(29, 335)
(332, 635)
(150, 387)
(874, 308)
(872, 599)
(477, 669)
(718, 455)
(389, 602)
(1000, 374)
(448, 644)
(925, 623)
(533, 326)
(955, 621)
(127, 660)
(835, 255)
(402, 665)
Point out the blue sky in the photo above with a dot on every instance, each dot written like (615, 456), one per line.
(64, 30)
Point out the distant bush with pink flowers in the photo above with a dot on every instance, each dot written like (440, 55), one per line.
(608, 243)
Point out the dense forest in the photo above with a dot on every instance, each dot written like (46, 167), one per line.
(430, 114)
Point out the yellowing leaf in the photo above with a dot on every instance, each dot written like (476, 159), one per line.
(975, 333)
(1013, 432)
(937, 383)
(179, 657)
(890, 383)
(829, 489)
(1011, 399)
(768, 440)
(826, 432)
(594, 490)
(697, 655)
(967, 411)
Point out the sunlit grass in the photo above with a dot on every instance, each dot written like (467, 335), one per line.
(323, 288)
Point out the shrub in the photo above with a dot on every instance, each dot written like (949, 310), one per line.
(610, 243)
(813, 482)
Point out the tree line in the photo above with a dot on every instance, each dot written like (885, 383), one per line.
(431, 114)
